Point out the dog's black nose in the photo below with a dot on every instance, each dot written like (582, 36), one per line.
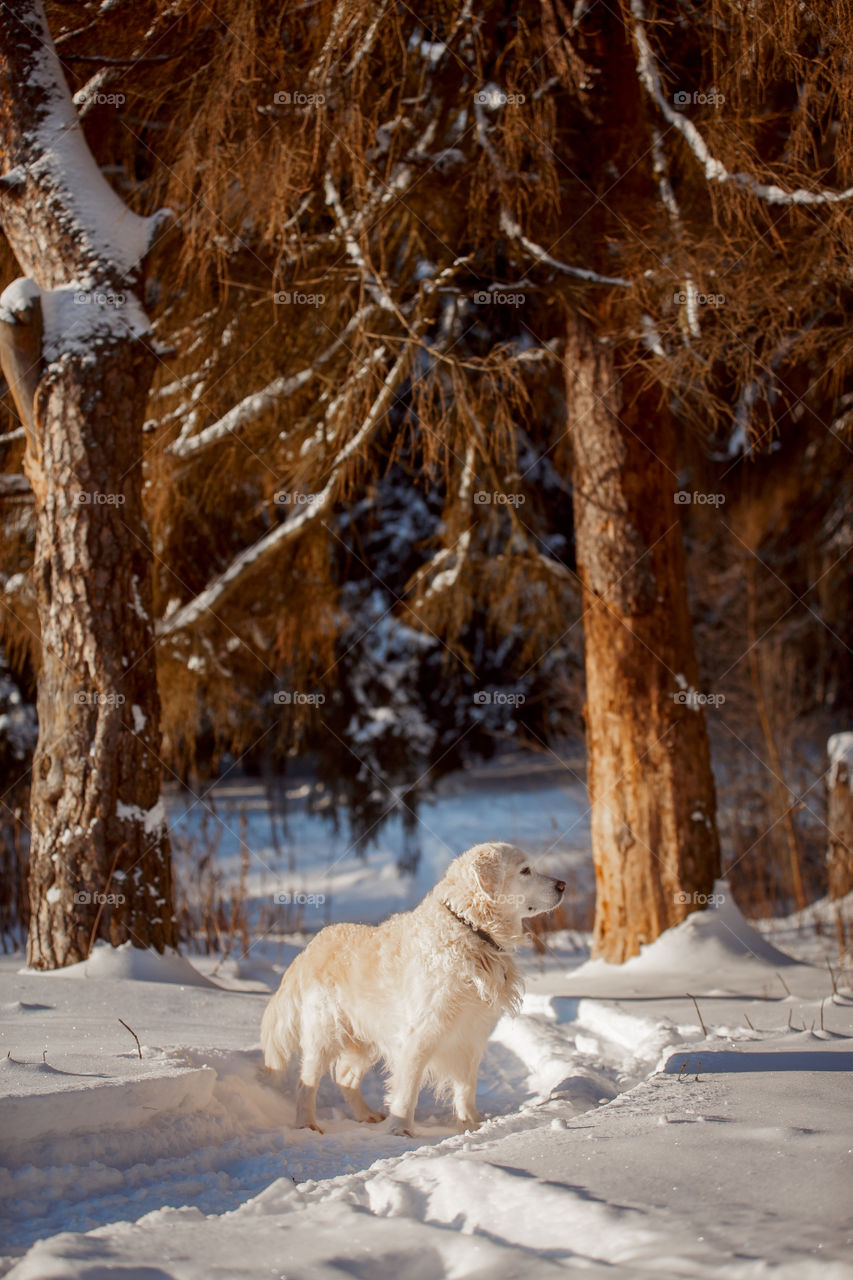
(560, 885)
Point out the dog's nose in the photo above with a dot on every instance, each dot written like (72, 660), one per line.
(560, 886)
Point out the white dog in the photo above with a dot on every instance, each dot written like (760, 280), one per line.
(422, 992)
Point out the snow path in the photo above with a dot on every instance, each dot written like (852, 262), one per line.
(723, 1152)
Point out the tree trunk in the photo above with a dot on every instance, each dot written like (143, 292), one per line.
(654, 835)
(100, 860)
(839, 814)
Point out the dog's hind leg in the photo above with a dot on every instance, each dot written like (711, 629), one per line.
(350, 1070)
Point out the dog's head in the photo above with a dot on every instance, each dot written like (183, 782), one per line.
(495, 887)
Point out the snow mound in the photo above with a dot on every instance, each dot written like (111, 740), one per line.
(711, 949)
(130, 962)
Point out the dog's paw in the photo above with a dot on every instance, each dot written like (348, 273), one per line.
(399, 1127)
(375, 1117)
(315, 1127)
(467, 1126)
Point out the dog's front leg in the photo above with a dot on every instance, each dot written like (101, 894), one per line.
(465, 1102)
(405, 1085)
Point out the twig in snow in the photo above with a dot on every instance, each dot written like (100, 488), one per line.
(821, 1013)
(832, 979)
(748, 1023)
(698, 1069)
(698, 1015)
(790, 1015)
(784, 983)
(133, 1033)
(683, 1066)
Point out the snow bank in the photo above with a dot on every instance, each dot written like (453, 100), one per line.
(708, 953)
(128, 962)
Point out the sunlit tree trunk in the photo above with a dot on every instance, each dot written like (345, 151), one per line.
(99, 861)
(654, 834)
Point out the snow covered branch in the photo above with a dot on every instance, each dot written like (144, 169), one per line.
(253, 406)
(511, 228)
(216, 590)
(715, 170)
(89, 233)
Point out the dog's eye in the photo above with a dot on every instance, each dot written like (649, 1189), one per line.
(525, 871)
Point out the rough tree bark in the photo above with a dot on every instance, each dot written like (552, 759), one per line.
(839, 814)
(654, 834)
(100, 859)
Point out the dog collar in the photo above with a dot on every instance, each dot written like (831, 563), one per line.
(481, 933)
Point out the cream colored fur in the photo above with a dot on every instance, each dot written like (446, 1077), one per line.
(421, 992)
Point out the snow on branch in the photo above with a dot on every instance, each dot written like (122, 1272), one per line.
(221, 585)
(61, 173)
(511, 228)
(715, 170)
(446, 578)
(374, 286)
(251, 407)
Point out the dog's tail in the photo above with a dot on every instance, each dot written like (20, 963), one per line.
(280, 1025)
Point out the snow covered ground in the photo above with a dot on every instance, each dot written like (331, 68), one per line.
(621, 1137)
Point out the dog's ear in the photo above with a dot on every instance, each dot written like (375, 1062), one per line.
(488, 871)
